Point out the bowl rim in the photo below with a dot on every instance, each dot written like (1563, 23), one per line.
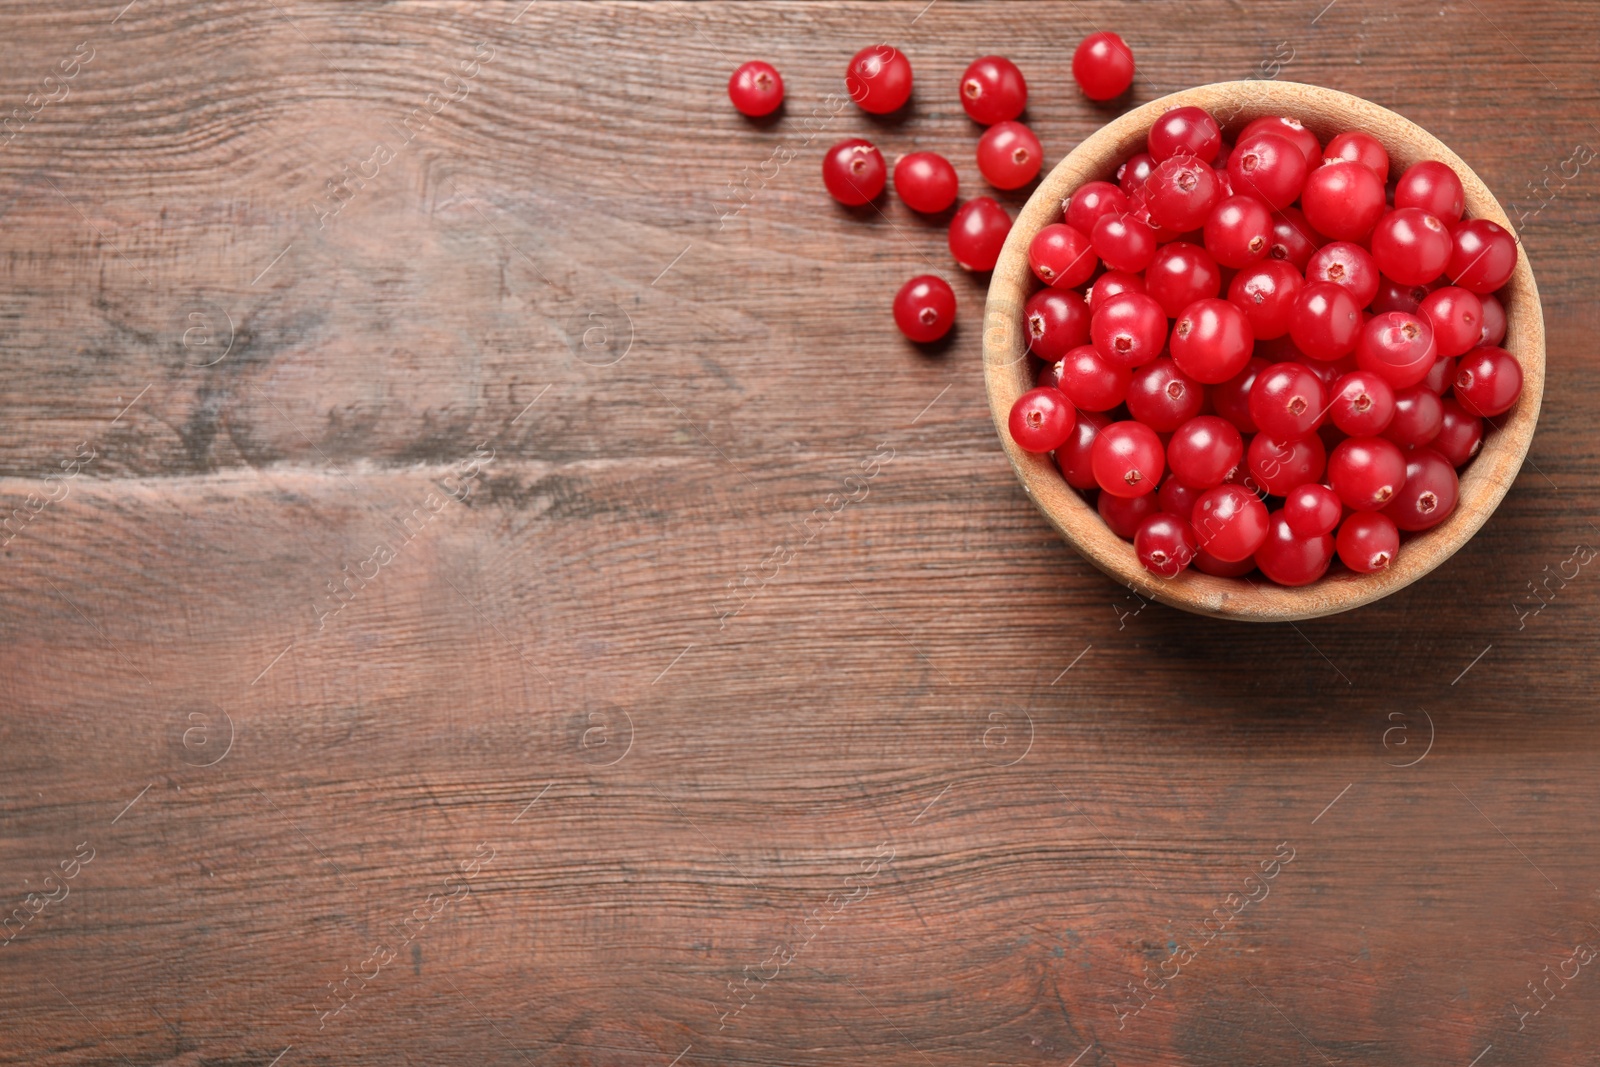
(1007, 368)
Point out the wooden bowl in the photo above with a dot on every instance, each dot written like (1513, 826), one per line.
(1009, 371)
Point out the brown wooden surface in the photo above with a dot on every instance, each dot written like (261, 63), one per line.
(1035, 788)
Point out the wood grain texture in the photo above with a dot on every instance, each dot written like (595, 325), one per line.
(378, 639)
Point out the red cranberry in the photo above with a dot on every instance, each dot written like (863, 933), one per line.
(1128, 459)
(1293, 239)
(1287, 400)
(1165, 545)
(1428, 495)
(925, 308)
(1180, 274)
(1268, 166)
(756, 88)
(1102, 65)
(1093, 200)
(1418, 417)
(1074, 458)
(878, 79)
(1363, 403)
(1090, 381)
(1411, 246)
(1399, 346)
(1266, 293)
(1292, 131)
(1211, 341)
(1162, 397)
(1239, 231)
(1366, 472)
(1061, 257)
(1289, 559)
(1231, 399)
(1229, 522)
(1392, 296)
(926, 182)
(1494, 320)
(1041, 420)
(1483, 256)
(1009, 155)
(1110, 284)
(1180, 193)
(1348, 264)
(1312, 510)
(1056, 322)
(1176, 498)
(853, 171)
(993, 90)
(1326, 322)
(1125, 514)
(1203, 450)
(1280, 465)
(1343, 200)
(1440, 376)
(1432, 187)
(1360, 148)
(1460, 434)
(1456, 315)
(1185, 131)
(1130, 329)
(977, 233)
(1124, 242)
(1488, 382)
(1368, 542)
(1134, 171)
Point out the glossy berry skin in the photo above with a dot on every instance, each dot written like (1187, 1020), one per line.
(853, 172)
(1075, 456)
(1056, 321)
(1162, 397)
(1412, 246)
(1133, 172)
(1176, 498)
(1399, 346)
(1279, 466)
(1110, 284)
(1203, 451)
(925, 308)
(1326, 322)
(1366, 472)
(1206, 563)
(756, 89)
(1009, 155)
(1348, 264)
(1125, 514)
(1185, 131)
(1293, 239)
(1488, 381)
(1239, 231)
(1041, 420)
(1060, 256)
(926, 182)
(878, 79)
(1092, 201)
(1211, 341)
(993, 90)
(1429, 492)
(1483, 256)
(1270, 167)
(1125, 242)
(1128, 459)
(1180, 274)
(1289, 559)
(1368, 542)
(1287, 400)
(1359, 147)
(1266, 292)
(977, 233)
(1129, 330)
(1165, 545)
(1392, 296)
(1460, 434)
(1418, 417)
(1180, 193)
(1494, 320)
(1090, 381)
(1312, 510)
(1102, 65)
(1343, 200)
(1440, 376)
(1362, 403)
(1456, 315)
(1290, 130)
(1432, 187)
(1231, 399)
(1229, 522)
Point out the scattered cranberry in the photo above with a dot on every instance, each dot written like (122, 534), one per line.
(1483, 257)
(1348, 264)
(1312, 510)
(1280, 465)
(1268, 166)
(1128, 459)
(1431, 187)
(1399, 346)
(926, 182)
(1428, 495)
(1488, 382)
(1180, 274)
(1056, 322)
(1456, 315)
(1211, 341)
(1229, 522)
(1185, 131)
(1102, 65)
(977, 233)
(925, 308)
(1091, 202)
(1130, 329)
(1125, 242)
(1361, 148)
(1165, 545)
(1326, 322)
(1418, 417)
(1041, 420)
(1125, 514)
(1090, 381)
(1110, 284)
(1363, 404)
(993, 90)
(1060, 256)
(1368, 542)
(879, 79)
(1075, 457)
(1366, 472)
(1289, 559)
(756, 89)
(1343, 200)
(853, 171)
(1460, 434)
(1239, 231)
(1009, 155)
(1266, 293)
(1162, 397)
(1411, 246)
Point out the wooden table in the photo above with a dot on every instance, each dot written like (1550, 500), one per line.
(487, 584)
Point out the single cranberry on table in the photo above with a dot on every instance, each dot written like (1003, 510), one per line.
(1165, 545)
(1483, 256)
(1488, 381)
(1229, 522)
(1418, 417)
(1177, 498)
(1180, 274)
(1312, 509)
(756, 89)
(878, 79)
(1203, 451)
(1212, 340)
(853, 171)
(1041, 420)
(1185, 131)
(1238, 232)
(1231, 399)
(1110, 284)
(1102, 65)
(1411, 246)
(1460, 434)
(1456, 315)
(1124, 242)
(1128, 459)
(1287, 400)
(977, 233)
(925, 308)
(1090, 381)
(1009, 155)
(1368, 542)
(1359, 147)
(1432, 187)
(1075, 456)
(926, 182)
(1060, 256)
(1280, 465)
(1343, 200)
(1056, 321)
(1134, 171)
(1291, 130)
(993, 90)
(1289, 559)
(1494, 320)
(1093, 200)
(1266, 293)
(1326, 321)
(1125, 514)
(1130, 329)
(1362, 404)
(1293, 238)
(1348, 264)
(1366, 472)
(1428, 495)
(1162, 397)
(1268, 166)
(1398, 346)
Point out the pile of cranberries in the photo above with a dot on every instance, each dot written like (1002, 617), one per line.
(1264, 355)
(993, 93)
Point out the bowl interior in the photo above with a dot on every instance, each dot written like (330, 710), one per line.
(1009, 371)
